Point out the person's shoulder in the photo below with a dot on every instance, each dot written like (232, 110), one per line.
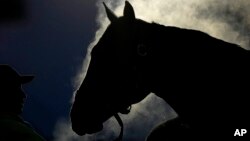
(12, 128)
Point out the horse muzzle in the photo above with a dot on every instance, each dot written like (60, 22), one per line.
(86, 128)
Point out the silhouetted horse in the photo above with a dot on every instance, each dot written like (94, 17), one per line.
(204, 79)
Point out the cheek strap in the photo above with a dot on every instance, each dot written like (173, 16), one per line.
(119, 120)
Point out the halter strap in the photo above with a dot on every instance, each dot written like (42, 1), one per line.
(119, 120)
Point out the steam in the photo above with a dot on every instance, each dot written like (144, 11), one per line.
(228, 20)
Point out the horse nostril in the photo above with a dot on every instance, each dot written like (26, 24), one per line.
(78, 130)
(87, 129)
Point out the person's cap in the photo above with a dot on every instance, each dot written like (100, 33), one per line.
(9, 76)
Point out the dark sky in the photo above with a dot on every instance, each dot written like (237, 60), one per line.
(49, 40)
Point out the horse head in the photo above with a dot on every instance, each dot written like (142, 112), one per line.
(116, 75)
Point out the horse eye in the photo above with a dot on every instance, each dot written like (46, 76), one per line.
(142, 50)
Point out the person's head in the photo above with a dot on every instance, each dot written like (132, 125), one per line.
(11, 94)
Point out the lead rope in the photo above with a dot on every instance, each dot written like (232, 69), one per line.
(119, 120)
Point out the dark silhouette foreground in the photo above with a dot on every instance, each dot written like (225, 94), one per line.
(12, 126)
(204, 79)
(12, 10)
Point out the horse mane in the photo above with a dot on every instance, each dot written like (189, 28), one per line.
(172, 38)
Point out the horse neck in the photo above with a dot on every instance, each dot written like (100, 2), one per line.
(174, 52)
(155, 64)
(169, 48)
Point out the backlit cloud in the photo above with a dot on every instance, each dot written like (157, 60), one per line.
(228, 20)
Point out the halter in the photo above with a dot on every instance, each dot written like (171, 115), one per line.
(142, 51)
(119, 120)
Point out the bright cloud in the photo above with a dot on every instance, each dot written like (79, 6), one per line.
(228, 20)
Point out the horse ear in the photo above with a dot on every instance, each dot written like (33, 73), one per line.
(111, 16)
(129, 11)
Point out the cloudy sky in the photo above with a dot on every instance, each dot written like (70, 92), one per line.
(52, 38)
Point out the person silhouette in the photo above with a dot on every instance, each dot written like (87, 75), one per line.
(12, 126)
